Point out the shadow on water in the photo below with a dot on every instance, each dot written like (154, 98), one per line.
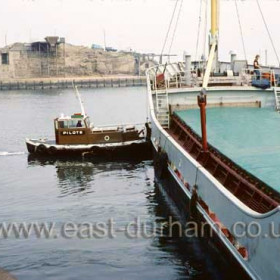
(198, 257)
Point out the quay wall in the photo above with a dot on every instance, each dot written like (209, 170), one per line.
(68, 83)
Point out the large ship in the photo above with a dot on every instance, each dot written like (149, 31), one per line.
(230, 178)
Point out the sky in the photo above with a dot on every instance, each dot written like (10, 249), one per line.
(142, 25)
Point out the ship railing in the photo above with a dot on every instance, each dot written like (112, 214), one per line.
(249, 75)
(172, 75)
(120, 127)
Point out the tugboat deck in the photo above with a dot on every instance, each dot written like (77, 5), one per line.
(254, 147)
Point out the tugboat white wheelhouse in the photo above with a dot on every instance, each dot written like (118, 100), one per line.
(231, 196)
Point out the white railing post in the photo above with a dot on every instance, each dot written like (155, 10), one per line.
(232, 60)
(188, 64)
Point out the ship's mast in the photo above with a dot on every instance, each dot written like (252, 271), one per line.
(215, 5)
(214, 17)
(212, 63)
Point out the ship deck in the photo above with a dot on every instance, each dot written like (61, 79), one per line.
(248, 136)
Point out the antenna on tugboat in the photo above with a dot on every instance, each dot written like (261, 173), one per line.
(78, 95)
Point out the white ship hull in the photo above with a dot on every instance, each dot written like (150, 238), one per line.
(263, 251)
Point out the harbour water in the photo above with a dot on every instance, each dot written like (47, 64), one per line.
(58, 192)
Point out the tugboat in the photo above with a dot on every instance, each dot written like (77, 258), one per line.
(76, 135)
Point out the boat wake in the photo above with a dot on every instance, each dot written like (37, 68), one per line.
(10, 153)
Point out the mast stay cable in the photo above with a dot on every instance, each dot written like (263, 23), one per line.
(241, 31)
(268, 32)
(205, 31)
(198, 30)
(175, 28)
(169, 27)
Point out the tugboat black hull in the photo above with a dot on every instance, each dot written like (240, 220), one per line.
(133, 149)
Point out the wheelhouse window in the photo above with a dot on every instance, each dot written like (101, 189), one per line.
(71, 123)
(75, 123)
(62, 124)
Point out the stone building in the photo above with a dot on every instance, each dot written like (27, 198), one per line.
(38, 59)
(54, 58)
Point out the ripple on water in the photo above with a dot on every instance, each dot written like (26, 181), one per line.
(11, 153)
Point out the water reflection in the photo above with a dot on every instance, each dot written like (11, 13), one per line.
(78, 175)
(74, 177)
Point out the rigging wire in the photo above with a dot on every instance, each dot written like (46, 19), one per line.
(175, 28)
(198, 30)
(240, 28)
(169, 27)
(268, 32)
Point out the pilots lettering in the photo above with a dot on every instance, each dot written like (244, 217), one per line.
(74, 132)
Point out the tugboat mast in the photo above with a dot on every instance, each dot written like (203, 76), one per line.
(80, 101)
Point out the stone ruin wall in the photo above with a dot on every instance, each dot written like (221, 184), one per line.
(77, 61)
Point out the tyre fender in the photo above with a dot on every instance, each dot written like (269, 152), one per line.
(41, 149)
(52, 150)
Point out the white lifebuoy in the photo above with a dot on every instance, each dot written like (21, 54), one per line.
(107, 138)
